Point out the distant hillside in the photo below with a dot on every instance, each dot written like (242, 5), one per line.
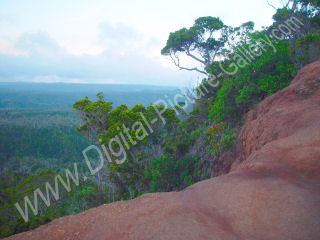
(48, 96)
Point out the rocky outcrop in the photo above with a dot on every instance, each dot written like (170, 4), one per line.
(272, 190)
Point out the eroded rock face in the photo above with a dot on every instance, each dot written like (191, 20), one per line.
(271, 192)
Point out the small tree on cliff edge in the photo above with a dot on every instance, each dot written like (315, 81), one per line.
(198, 42)
(203, 42)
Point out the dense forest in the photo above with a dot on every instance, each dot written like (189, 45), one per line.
(241, 67)
(39, 139)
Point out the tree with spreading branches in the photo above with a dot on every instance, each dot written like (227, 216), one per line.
(203, 42)
(297, 4)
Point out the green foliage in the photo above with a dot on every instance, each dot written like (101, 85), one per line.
(302, 17)
(14, 186)
(185, 39)
(32, 144)
(182, 153)
(167, 173)
(202, 42)
(105, 124)
(172, 156)
(222, 108)
(220, 138)
(307, 49)
(258, 79)
(33, 140)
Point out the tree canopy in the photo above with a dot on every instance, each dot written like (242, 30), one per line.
(203, 42)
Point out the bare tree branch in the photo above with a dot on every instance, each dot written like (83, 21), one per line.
(195, 58)
(287, 5)
(271, 5)
(176, 62)
(294, 5)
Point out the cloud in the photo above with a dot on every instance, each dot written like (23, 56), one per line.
(117, 33)
(37, 43)
(8, 19)
(119, 39)
(45, 60)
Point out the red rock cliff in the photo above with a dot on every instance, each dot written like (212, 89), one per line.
(272, 190)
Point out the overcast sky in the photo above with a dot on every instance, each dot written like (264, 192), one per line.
(102, 41)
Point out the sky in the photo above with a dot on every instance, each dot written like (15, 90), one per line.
(102, 41)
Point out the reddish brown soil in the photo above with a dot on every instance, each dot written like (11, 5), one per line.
(271, 192)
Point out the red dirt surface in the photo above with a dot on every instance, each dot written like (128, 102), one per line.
(272, 190)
